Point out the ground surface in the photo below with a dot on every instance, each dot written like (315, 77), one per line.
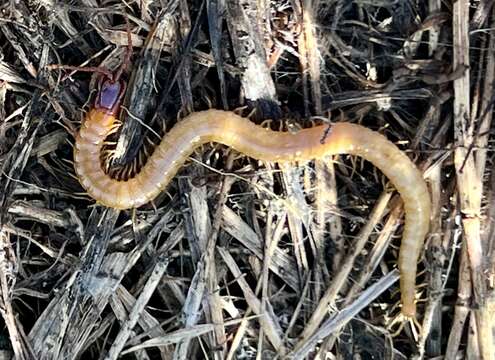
(241, 259)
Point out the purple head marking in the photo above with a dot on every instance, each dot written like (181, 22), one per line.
(110, 95)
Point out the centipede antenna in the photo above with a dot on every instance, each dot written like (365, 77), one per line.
(100, 70)
(128, 53)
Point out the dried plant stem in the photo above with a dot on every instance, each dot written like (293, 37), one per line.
(469, 180)
(330, 296)
(7, 281)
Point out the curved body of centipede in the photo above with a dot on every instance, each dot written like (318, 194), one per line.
(239, 133)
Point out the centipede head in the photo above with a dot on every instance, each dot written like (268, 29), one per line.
(110, 95)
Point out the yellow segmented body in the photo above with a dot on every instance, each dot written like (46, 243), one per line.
(239, 133)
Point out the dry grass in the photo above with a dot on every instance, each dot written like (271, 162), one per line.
(241, 259)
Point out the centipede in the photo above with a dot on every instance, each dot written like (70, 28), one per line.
(244, 136)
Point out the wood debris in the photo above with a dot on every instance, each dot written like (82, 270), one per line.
(240, 259)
